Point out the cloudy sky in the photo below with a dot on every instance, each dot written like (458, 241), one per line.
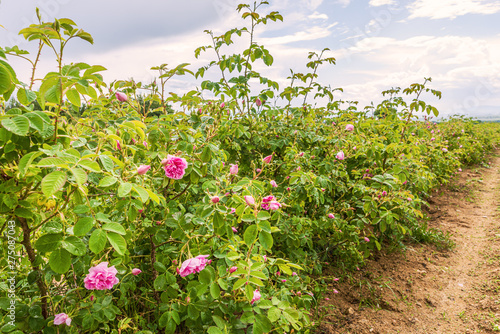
(378, 44)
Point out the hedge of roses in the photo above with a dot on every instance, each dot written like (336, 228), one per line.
(214, 218)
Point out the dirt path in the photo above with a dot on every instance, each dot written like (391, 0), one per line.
(427, 290)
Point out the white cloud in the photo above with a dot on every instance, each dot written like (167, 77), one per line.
(376, 3)
(343, 3)
(451, 8)
(312, 33)
(319, 16)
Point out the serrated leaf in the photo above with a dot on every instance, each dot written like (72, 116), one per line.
(48, 243)
(83, 226)
(53, 182)
(18, 125)
(118, 242)
(89, 165)
(74, 97)
(107, 181)
(107, 162)
(143, 194)
(74, 245)
(60, 261)
(250, 235)
(80, 175)
(114, 227)
(26, 161)
(266, 240)
(124, 189)
(97, 241)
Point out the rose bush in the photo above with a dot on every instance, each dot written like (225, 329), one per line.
(214, 217)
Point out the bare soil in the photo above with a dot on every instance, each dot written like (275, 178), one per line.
(425, 289)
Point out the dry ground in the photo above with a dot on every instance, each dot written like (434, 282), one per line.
(427, 290)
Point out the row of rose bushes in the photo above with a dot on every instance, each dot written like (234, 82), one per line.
(202, 240)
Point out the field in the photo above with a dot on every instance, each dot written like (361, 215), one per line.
(127, 208)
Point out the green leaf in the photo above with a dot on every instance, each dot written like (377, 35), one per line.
(239, 283)
(263, 215)
(274, 314)
(83, 226)
(248, 217)
(89, 165)
(26, 161)
(107, 162)
(97, 241)
(124, 189)
(74, 245)
(250, 235)
(266, 240)
(160, 283)
(48, 243)
(214, 330)
(53, 182)
(114, 227)
(118, 242)
(107, 181)
(6, 78)
(25, 96)
(206, 154)
(60, 261)
(18, 125)
(51, 162)
(74, 97)
(205, 277)
(143, 194)
(214, 290)
(262, 324)
(80, 175)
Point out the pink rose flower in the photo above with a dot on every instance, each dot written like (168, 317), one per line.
(258, 170)
(249, 200)
(335, 290)
(234, 229)
(233, 169)
(118, 146)
(258, 102)
(294, 273)
(193, 265)
(122, 97)
(268, 159)
(288, 188)
(273, 184)
(366, 239)
(233, 210)
(274, 205)
(265, 258)
(278, 273)
(301, 154)
(233, 269)
(256, 296)
(215, 199)
(143, 169)
(384, 193)
(62, 318)
(270, 203)
(136, 271)
(432, 139)
(222, 105)
(331, 215)
(283, 280)
(101, 277)
(340, 155)
(174, 167)
(349, 127)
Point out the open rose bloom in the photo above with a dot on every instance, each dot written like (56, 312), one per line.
(174, 167)
(101, 277)
(270, 203)
(193, 265)
(62, 318)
